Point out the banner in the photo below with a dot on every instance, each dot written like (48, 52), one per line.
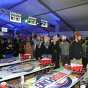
(15, 17)
(3, 29)
(32, 21)
(44, 23)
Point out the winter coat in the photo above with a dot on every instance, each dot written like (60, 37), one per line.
(55, 50)
(76, 50)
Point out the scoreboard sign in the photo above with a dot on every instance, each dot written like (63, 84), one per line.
(3, 29)
(35, 21)
(18, 18)
(15, 17)
(32, 21)
(44, 23)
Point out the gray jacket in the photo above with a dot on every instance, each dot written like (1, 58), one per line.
(64, 48)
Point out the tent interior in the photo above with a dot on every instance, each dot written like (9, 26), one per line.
(70, 15)
(61, 18)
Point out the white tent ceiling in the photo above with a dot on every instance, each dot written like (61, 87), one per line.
(74, 12)
(30, 8)
(63, 4)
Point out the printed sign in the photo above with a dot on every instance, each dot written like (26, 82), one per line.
(15, 17)
(3, 29)
(32, 21)
(44, 23)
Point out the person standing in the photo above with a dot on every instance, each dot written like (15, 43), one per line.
(76, 50)
(9, 47)
(17, 42)
(64, 45)
(85, 54)
(46, 46)
(28, 47)
(38, 47)
(34, 43)
(55, 51)
(1, 47)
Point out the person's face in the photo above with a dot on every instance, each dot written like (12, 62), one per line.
(9, 41)
(63, 39)
(41, 38)
(38, 38)
(55, 38)
(79, 38)
(46, 39)
(51, 40)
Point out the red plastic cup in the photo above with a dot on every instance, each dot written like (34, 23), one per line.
(3, 85)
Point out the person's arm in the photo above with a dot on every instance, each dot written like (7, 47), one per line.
(70, 50)
(82, 50)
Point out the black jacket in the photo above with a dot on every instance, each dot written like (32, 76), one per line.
(55, 50)
(76, 50)
(44, 50)
(38, 51)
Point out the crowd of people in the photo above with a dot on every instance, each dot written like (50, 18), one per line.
(61, 48)
(58, 47)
